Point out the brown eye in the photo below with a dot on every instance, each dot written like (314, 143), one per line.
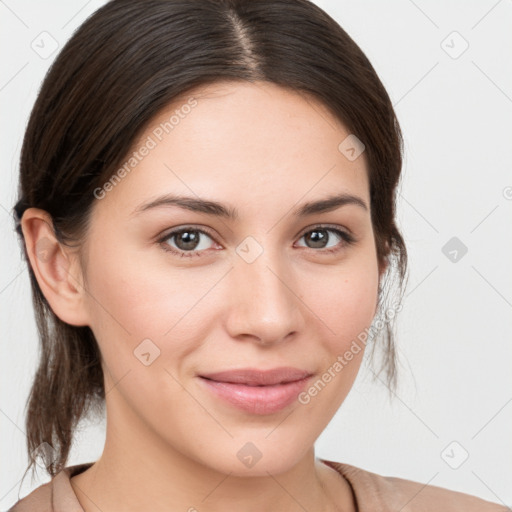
(187, 241)
(320, 238)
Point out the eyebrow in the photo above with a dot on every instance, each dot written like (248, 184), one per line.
(217, 209)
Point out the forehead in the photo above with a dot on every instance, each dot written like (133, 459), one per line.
(250, 143)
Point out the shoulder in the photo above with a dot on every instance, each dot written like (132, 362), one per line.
(387, 493)
(57, 495)
(39, 500)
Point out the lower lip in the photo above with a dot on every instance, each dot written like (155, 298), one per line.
(257, 399)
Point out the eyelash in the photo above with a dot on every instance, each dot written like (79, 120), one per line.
(346, 237)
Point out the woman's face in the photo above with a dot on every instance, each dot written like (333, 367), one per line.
(262, 283)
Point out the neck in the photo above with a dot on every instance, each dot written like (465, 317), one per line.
(146, 484)
(152, 475)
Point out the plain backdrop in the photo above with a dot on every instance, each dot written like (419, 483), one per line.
(447, 66)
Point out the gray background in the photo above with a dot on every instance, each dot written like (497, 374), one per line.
(455, 108)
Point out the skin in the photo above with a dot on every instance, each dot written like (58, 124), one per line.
(170, 443)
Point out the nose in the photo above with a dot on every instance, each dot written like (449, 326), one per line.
(265, 305)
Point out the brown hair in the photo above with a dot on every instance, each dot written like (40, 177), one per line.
(124, 64)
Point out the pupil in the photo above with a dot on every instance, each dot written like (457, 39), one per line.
(318, 237)
(189, 240)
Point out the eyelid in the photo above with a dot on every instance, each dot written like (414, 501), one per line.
(320, 225)
(196, 227)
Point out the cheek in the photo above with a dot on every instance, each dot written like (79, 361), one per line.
(175, 307)
(152, 301)
(345, 307)
(178, 308)
(345, 301)
(143, 298)
(140, 321)
(132, 300)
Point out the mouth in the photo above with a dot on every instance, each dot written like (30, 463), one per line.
(255, 391)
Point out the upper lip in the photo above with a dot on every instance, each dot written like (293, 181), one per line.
(255, 377)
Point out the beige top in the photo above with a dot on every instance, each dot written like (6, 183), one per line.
(372, 493)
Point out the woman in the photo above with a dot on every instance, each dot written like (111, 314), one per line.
(206, 205)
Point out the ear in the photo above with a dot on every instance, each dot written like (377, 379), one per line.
(56, 268)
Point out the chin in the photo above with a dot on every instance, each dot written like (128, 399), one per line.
(257, 454)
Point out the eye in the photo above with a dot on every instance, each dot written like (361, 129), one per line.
(188, 241)
(319, 238)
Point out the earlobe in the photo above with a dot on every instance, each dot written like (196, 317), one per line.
(56, 268)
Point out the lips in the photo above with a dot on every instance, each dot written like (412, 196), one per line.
(257, 391)
(251, 377)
